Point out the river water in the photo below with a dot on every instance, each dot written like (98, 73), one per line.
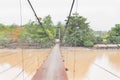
(92, 64)
(82, 63)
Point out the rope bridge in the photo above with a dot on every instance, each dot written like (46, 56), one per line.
(53, 68)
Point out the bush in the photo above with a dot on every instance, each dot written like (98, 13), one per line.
(88, 43)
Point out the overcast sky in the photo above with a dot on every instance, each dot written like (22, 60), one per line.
(102, 14)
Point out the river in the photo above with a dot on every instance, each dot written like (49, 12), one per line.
(81, 63)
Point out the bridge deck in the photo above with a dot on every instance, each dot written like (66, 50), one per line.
(53, 68)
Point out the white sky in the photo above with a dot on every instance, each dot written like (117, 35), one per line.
(102, 14)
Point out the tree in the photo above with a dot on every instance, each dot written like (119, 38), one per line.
(114, 35)
(49, 26)
(2, 27)
(58, 27)
(100, 36)
(33, 32)
(78, 32)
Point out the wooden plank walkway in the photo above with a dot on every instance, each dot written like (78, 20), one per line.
(53, 68)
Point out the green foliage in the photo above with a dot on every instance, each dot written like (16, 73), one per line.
(58, 27)
(100, 36)
(4, 40)
(49, 26)
(33, 32)
(99, 40)
(78, 32)
(88, 43)
(2, 27)
(114, 35)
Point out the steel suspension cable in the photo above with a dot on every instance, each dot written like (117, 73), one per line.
(75, 32)
(103, 69)
(22, 71)
(9, 68)
(107, 70)
(20, 4)
(23, 63)
(74, 66)
(38, 19)
(24, 67)
(76, 6)
(28, 68)
(67, 20)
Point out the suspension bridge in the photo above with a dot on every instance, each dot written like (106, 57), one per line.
(53, 67)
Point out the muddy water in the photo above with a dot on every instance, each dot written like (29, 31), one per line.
(80, 63)
(12, 63)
